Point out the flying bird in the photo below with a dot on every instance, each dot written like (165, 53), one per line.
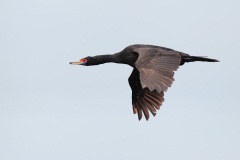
(153, 71)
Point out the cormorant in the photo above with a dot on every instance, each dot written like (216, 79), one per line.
(153, 70)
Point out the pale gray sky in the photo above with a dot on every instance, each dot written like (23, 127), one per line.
(52, 110)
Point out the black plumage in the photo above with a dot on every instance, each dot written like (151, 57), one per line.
(152, 75)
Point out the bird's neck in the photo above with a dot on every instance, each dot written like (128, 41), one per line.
(100, 59)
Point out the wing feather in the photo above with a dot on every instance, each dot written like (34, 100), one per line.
(157, 68)
(144, 109)
(144, 100)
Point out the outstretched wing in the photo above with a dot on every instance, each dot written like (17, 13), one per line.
(156, 67)
(144, 100)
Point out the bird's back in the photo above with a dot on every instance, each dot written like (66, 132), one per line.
(153, 47)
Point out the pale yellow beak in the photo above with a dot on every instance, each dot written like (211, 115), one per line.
(77, 63)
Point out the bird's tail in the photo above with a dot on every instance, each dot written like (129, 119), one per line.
(196, 58)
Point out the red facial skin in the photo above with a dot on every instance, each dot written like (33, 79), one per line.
(83, 60)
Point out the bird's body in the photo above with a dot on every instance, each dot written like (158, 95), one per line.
(153, 70)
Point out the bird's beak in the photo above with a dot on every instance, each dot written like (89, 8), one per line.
(78, 63)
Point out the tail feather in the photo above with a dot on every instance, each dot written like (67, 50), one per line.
(196, 58)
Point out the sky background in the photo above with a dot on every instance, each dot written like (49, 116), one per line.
(52, 110)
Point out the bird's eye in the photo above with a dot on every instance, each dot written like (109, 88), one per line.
(83, 60)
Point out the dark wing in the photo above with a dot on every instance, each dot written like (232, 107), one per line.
(143, 100)
(156, 67)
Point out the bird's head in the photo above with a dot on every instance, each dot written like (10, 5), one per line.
(84, 61)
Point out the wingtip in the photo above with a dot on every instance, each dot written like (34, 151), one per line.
(134, 110)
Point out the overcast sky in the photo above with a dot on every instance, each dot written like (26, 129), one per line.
(52, 110)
